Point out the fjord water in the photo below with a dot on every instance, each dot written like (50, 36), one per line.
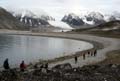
(33, 48)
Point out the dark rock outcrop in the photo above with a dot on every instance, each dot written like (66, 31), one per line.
(108, 72)
(32, 21)
(73, 20)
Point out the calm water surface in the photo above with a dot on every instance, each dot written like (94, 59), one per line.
(33, 48)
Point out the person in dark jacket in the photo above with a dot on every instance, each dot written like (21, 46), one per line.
(76, 59)
(84, 56)
(6, 64)
(46, 65)
(89, 53)
(95, 52)
(22, 66)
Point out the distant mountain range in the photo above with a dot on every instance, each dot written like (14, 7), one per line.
(89, 19)
(25, 19)
(31, 19)
(41, 20)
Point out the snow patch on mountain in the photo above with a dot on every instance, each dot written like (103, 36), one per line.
(108, 18)
(89, 22)
(30, 18)
(116, 14)
(96, 15)
(60, 24)
(23, 13)
(32, 14)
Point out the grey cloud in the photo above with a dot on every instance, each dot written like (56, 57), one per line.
(61, 7)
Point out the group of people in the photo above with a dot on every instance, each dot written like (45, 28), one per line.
(90, 53)
(7, 67)
(23, 66)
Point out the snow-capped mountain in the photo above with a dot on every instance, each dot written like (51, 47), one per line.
(38, 20)
(31, 19)
(116, 15)
(35, 19)
(72, 20)
(95, 17)
(109, 18)
(90, 18)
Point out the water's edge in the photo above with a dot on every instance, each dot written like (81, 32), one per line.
(96, 45)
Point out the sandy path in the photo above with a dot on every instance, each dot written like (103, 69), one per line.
(109, 45)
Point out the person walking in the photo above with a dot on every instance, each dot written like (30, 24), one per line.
(22, 66)
(95, 52)
(76, 59)
(6, 64)
(83, 56)
(89, 53)
(92, 53)
(46, 65)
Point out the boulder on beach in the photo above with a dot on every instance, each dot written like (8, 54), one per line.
(65, 66)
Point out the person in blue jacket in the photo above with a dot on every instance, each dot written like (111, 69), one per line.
(6, 64)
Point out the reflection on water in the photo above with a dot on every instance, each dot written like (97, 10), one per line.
(33, 48)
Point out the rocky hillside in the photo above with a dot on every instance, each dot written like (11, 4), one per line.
(7, 21)
(109, 26)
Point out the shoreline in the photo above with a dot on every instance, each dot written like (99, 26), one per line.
(98, 44)
(50, 34)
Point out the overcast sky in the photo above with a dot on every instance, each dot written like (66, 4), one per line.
(58, 8)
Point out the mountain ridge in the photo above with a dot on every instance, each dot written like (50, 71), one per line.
(31, 19)
(89, 19)
(7, 21)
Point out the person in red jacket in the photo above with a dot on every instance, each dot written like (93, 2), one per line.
(22, 66)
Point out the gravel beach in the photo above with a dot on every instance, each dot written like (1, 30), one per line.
(67, 70)
(103, 44)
